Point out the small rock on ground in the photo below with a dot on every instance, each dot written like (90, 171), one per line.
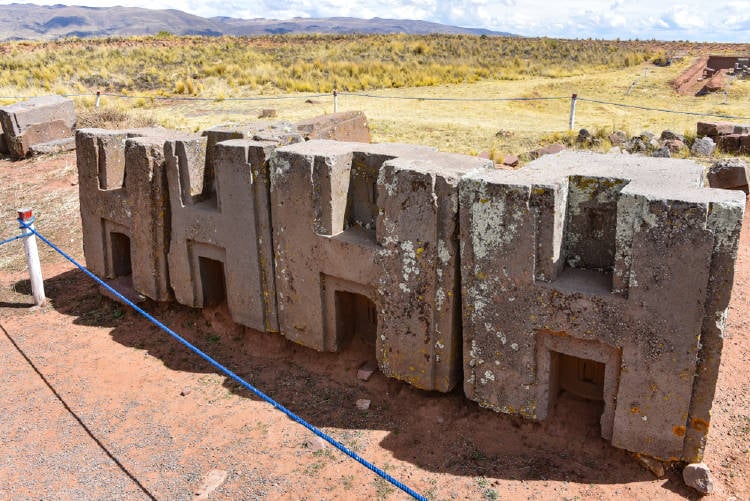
(698, 476)
(363, 404)
(366, 370)
(213, 480)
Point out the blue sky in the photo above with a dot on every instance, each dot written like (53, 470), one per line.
(698, 20)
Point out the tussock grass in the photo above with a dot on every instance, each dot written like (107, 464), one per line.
(387, 65)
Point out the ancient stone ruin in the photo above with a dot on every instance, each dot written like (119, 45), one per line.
(709, 74)
(39, 125)
(729, 137)
(605, 276)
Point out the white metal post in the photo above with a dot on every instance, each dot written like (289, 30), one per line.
(572, 121)
(98, 98)
(32, 258)
(335, 101)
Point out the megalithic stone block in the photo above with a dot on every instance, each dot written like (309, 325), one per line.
(35, 121)
(229, 225)
(366, 243)
(554, 299)
(125, 205)
(148, 199)
(419, 287)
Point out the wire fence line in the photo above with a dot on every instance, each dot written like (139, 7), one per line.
(366, 95)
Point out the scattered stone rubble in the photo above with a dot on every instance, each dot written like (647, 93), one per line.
(729, 137)
(528, 282)
(40, 125)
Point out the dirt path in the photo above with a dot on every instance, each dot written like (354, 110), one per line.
(99, 404)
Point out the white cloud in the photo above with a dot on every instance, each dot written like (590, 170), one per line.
(700, 20)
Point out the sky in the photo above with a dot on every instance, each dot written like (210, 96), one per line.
(697, 20)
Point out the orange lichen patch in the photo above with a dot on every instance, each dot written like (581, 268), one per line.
(700, 425)
(635, 409)
(679, 431)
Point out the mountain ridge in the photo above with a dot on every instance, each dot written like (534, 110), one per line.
(50, 22)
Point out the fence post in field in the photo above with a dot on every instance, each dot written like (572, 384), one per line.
(32, 257)
(572, 121)
(335, 101)
(98, 98)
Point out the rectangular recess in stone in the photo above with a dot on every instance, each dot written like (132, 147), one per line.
(123, 193)
(591, 221)
(234, 219)
(665, 237)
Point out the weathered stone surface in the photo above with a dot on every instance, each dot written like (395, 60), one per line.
(703, 147)
(698, 476)
(552, 276)
(569, 257)
(366, 370)
(583, 136)
(278, 131)
(363, 404)
(550, 149)
(729, 174)
(350, 126)
(3, 144)
(674, 145)
(510, 160)
(618, 137)
(729, 143)
(125, 206)
(635, 145)
(56, 146)
(663, 152)
(365, 241)
(221, 228)
(669, 135)
(745, 144)
(37, 120)
(714, 129)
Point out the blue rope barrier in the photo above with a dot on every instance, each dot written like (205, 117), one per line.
(232, 375)
(17, 237)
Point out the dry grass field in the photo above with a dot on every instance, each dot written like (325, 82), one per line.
(101, 405)
(219, 71)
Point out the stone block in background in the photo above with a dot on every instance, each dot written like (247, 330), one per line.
(36, 121)
(350, 126)
(730, 174)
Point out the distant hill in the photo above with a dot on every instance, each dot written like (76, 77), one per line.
(38, 22)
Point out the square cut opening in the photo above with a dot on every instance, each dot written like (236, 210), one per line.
(589, 235)
(581, 377)
(576, 394)
(213, 282)
(362, 196)
(356, 319)
(120, 247)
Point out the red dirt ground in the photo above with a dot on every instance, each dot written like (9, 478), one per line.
(99, 404)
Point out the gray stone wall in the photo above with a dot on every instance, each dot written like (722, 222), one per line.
(605, 276)
(647, 309)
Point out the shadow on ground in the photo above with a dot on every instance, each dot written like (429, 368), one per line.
(444, 433)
